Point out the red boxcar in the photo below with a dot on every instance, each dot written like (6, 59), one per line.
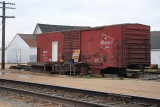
(115, 46)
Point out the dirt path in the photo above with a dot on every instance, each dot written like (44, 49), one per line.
(126, 86)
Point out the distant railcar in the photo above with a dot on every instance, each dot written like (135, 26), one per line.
(116, 46)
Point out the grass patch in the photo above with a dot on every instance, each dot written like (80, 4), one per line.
(95, 76)
(121, 78)
(87, 77)
(92, 76)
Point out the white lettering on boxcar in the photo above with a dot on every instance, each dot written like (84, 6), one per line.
(106, 42)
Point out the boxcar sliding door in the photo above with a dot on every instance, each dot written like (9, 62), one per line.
(55, 51)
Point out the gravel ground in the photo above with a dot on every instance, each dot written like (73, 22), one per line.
(126, 86)
(109, 101)
(11, 100)
(115, 85)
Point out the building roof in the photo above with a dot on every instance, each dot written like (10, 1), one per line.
(46, 28)
(155, 40)
(30, 39)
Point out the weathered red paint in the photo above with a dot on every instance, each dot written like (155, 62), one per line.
(101, 47)
(45, 46)
(67, 41)
(98, 44)
(123, 45)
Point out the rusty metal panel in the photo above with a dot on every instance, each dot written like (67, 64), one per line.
(99, 47)
(137, 44)
(38, 54)
(90, 47)
(71, 42)
(45, 46)
(110, 46)
(116, 46)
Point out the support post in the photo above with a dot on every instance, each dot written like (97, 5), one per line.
(3, 30)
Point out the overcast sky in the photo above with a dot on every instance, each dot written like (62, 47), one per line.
(79, 13)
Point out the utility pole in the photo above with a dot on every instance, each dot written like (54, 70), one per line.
(3, 30)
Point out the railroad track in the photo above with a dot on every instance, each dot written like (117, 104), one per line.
(55, 99)
(74, 96)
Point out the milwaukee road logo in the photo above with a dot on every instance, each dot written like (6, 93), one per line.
(106, 42)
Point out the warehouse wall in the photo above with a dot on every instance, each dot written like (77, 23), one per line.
(18, 51)
(33, 54)
(155, 57)
(37, 30)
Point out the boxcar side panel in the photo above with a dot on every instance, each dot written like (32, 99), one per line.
(45, 46)
(71, 41)
(115, 51)
(137, 44)
(100, 48)
(91, 53)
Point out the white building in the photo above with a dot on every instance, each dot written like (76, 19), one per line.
(22, 49)
(155, 48)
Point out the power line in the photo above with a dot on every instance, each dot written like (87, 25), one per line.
(3, 30)
(25, 9)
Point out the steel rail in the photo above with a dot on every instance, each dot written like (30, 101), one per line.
(54, 99)
(132, 98)
(145, 72)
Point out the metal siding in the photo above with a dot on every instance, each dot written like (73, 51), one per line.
(115, 54)
(99, 44)
(90, 47)
(110, 46)
(38, 53)
(137, 44)
(71, 42)
(131, 45)
(45, 45)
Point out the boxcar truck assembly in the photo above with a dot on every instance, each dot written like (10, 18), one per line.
(104, 48)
